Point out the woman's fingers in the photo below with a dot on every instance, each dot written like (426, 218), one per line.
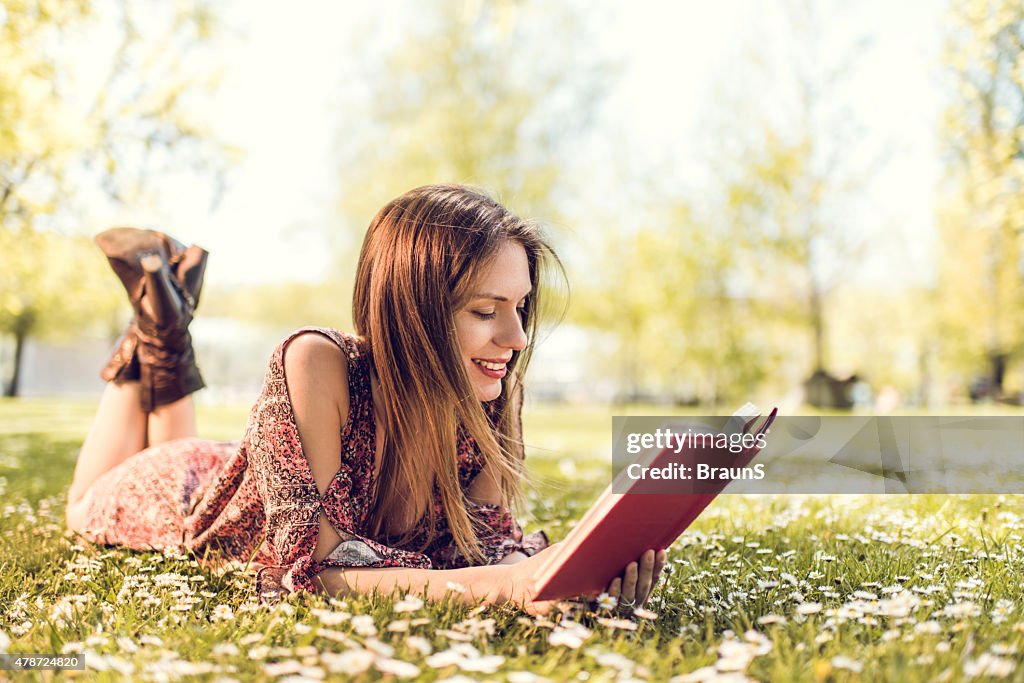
(615, 587)
(539, 608)
(629, 579)
(649, 571)
(659, 564)
(645, 576)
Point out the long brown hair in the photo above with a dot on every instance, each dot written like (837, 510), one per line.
(420, 256)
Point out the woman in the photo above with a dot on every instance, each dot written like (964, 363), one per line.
(390, 459)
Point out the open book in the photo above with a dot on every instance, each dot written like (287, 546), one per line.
(619, 527)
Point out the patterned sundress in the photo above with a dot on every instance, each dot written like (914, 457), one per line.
(257, 499)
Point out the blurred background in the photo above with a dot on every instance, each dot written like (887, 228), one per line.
(806, 204)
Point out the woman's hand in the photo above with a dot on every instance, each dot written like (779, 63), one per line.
(631, 589)
(638, 579)
(518, 580)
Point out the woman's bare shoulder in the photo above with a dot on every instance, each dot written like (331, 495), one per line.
(316, 365)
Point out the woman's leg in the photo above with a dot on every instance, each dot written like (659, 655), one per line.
(152, 372)
(120, 430)
(172, 421)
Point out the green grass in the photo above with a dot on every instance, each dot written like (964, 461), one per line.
(916, 588)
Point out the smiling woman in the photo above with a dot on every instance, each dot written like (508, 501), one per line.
(389, 458)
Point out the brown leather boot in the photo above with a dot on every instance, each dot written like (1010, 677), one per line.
(163, 279)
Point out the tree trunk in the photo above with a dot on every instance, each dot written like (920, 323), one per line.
(22, 328)
(924, 385)
(998, 361)
(11, 389)
(817, 326)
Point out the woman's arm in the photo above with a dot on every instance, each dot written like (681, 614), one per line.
(490, 584)
(317, 381)
(317, 377)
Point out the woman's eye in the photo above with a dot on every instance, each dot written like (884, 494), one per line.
(483, 315)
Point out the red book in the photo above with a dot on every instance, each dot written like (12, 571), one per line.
(619, 527)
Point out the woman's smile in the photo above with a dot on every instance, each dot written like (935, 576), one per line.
(492, 368)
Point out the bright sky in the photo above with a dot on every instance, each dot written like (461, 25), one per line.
(276, 102)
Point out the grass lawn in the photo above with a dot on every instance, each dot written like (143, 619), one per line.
(902, 588)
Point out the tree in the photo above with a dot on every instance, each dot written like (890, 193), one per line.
(53, 286)
(660, 289)
(280, 307)
(463, 97)
(706, 291)
(982, 215)
(92, 95)
(789, 179)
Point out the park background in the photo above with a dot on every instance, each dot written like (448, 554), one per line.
(742, 194)
(746, 196)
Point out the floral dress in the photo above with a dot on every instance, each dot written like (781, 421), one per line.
(257, 499)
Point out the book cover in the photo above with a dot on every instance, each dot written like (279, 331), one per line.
(648, 513)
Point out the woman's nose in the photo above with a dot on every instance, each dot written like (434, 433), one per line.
(512, 335)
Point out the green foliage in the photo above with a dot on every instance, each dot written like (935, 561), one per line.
(982, 210)
(463, 97)
(661, 291)
(55, 286)
(784, 192)
(69, 130)
(110, 122)
(283, 306)
(724, 294)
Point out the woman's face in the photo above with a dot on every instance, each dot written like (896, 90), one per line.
(489, 327)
